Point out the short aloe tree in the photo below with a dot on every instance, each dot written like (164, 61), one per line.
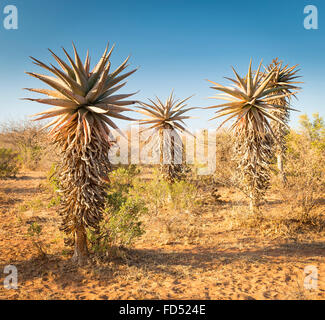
(249, 104)
(284, 76)
(84, 103)
(167, 121)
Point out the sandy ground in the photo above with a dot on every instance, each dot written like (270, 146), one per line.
(211, 259)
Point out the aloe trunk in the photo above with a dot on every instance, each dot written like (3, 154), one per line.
(80, 255)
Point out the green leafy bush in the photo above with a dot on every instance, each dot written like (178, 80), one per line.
(158, 193)
(122, 224)
(314, 130)
(34, 230)
(8, 163)
(155, 192)
(130, 196)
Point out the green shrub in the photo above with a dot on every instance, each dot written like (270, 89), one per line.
(54, 187)
(155, 192)
(314, 129)
(122, 178)
(122, 224)
(8, 163)
(183, 195)
(129, 197)
(30, 156)
(34, 232)
(158, 193)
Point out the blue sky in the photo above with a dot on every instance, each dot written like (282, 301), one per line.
(177, 44)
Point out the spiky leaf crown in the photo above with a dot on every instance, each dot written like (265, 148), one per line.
(84, 101)
(250, 101)
(165, 115)
(284, 76)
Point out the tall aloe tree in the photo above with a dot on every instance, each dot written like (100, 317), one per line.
(167, 121)
(84, 103)
(284, 76)
(249, 104)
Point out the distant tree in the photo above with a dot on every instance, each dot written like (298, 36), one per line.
(167, 121)
(314, 129)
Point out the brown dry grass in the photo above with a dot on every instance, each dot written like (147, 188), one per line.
(212, 253)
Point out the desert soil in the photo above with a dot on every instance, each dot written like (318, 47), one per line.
(211, 259)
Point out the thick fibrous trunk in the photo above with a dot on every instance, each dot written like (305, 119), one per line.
(83, 192)
(253, 204)
(80, 255)
(253, 156)
(170, 171)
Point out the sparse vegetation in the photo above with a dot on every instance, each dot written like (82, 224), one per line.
(8, 163)
(185, 237)
(306, 168)
(29, 142)
(34, 232)
(164, 233)
(121, 224)
(34, 204)
(54, 186)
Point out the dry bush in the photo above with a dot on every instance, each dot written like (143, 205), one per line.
(225, 169)
(283, 225)
(180, 213)
(8, 163)
(172, 208)
(305, 167)
(224, 154)
(31, 144)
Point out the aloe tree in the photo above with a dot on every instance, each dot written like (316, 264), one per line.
(284, 77)
(249, 104)
(167, 121)
(84, 103)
